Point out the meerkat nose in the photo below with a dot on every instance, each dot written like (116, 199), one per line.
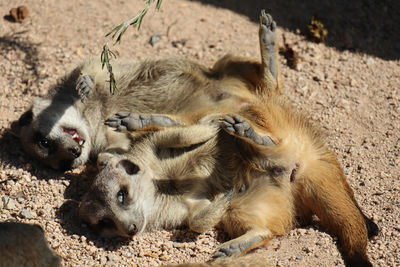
(134, 230)
(75, 151)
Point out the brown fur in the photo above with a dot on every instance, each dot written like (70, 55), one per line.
(189, 188)
(182, 186)
(25, 245)
(179, 176)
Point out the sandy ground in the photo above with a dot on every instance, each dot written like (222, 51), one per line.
(350, 86)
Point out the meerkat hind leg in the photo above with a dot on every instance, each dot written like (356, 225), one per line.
(236, 125)
(267, 48)
(250, 240)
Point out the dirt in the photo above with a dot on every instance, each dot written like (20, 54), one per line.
(350, 86)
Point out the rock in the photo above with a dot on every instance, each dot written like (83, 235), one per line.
(164, 257)
(343, 103)
(19, 13)
(178, 245)
(112, 257)
(103, 260)
(26, 214)
(5, 200)
(151, 254)
(179, 43)
(10, 204)
(370, 61)
(92, 250)
(302, 232)
(154, 39)
(319, 76)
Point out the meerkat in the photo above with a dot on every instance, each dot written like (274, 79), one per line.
(272, 159)
(138, 191)
(25, 245)
(287, 141)
(65, 128)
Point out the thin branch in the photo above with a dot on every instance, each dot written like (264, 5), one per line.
(107, 54)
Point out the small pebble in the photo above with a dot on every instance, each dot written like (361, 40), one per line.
(112, 257)
(370, 61)
(154, 39)
(178, 245)
(11, 204)
(25, 213)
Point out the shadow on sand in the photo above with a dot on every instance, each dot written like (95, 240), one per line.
(365, 26)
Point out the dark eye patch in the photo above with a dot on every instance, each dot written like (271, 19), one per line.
(44, 143)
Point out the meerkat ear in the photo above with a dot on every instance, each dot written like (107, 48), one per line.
(24, 120)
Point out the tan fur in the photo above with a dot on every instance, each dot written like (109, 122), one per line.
(169, 86)
(188, 189)
(181, 176)
(25, 245)
(319, 187)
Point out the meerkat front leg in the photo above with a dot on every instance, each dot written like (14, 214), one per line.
(205, 214)
(124, 121)
(170, 137)
(268, 50)
(84, 86)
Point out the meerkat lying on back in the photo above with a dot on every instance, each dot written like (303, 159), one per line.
(270, 156)
(253, 178)
(63, 132)
(204, 185)
(25, 245)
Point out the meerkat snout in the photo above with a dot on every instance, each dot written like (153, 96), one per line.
(75, 151)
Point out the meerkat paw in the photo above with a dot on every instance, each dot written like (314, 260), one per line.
(238, 246)
(236, 125)
(103, 159)
(268, 41)
(85, 86)
(267, 29)
(124, 121)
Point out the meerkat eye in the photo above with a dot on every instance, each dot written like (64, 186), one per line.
(45, 143)
(121, 195)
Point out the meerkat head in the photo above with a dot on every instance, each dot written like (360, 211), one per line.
(120, 200)
(54, 133)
